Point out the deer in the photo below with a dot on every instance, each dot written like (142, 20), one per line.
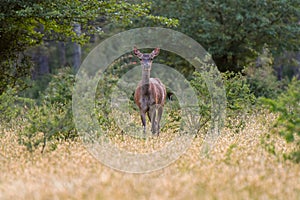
(150, 93)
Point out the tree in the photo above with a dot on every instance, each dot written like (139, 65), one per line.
(77, 49)
(27, 23)
(235, 31)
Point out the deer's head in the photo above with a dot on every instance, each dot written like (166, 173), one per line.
(146, 58)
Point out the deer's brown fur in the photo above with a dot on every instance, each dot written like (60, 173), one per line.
(150, 94)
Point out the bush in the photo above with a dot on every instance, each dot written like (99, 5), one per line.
(35, 88)
(47, 122)
(239, 98)
(204, 100)
(238, 93)
(261, 76)
(50, 118)
(12, 106)
(287, 106)
(106, 86)
(8, 105)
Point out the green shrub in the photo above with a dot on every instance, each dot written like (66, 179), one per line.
(47, 122)
(12, 107)
(261, 76)
(59, 89)
(238, 93)
(239, 98)
(50, 118)
(35, 88)
(105, 89)
(204, 100)
(287, 106)
(9, 108)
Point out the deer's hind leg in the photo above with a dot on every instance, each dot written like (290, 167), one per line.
(149, 117)
(159, 114)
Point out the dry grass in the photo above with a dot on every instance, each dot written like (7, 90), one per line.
(239, 167)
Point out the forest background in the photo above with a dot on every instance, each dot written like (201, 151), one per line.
(255, 45)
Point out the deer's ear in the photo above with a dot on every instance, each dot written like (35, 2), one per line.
(137, 52)
(155, 52)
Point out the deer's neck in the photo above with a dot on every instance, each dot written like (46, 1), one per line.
(145, 80)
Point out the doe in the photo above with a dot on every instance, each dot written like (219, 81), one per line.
(150, 94)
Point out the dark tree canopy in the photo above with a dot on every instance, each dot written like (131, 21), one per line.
(27, 23)
(234, 31)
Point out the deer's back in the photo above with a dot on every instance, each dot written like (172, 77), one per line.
(155, 94)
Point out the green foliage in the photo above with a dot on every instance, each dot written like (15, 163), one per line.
(12, 72)
(8, 108)
(35, 88)
(27, 23)
(261, 76)
(239, 98)
(239, 95)
(229, 152)
(59, 89)
(287, 106)
(203, 97)
(105, 88)
(103, 93)
(268, 144)
(47, 122)
(12, 106)
(44, 117)
(128, 12)
(234, 31)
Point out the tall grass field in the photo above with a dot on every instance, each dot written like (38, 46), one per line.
(244, 165)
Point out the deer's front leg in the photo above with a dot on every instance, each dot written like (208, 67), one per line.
(153, 116)
(143, 118)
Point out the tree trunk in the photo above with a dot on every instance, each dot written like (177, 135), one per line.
(77, 49)
(62, 54)
(41, 60)
(298, 65)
